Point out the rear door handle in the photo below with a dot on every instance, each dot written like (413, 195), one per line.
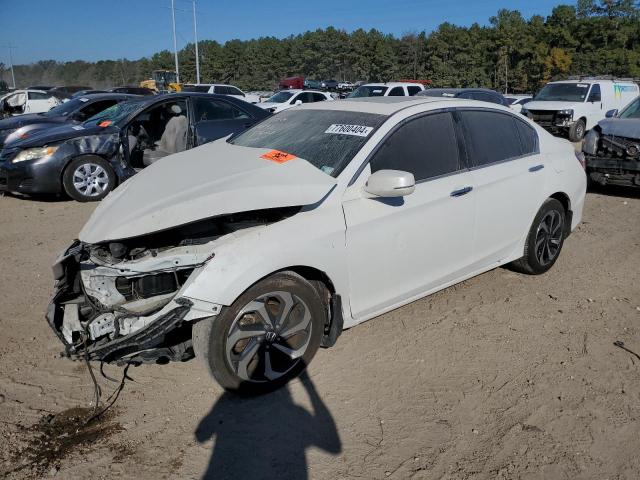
(461, 192)
(536, 168)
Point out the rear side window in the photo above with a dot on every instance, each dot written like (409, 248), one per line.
(490, 136)
(206, 109)
(396, 92)
(424, 146)
(412, 89)
(528, 138)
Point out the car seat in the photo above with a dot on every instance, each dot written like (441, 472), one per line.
(173, 140)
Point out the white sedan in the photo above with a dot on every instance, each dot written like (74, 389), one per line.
(256, 250)
(286, 99)
(21, 102)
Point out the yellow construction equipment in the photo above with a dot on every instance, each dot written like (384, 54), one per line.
(162, 81)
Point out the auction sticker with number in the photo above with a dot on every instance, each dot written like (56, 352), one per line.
(278, 156)
(356, 130)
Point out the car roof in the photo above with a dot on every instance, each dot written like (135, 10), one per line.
(107, 95)
(379, 105)
(442, 91)
(390, 84)
(594, 80)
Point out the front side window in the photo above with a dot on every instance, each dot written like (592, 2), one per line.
(594, 95)
(563, 92)
(38, 96)
(196, 88)
(94, 108)
(318, 97)
(234, 91)
(328, 139)
(396, 92)
(413, 90)
(490, 136)
(425, 146)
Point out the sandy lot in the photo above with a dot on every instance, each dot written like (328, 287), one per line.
(502, 376)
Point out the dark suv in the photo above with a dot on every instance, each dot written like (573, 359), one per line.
(481, 94)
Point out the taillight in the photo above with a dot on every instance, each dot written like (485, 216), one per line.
(580, 157)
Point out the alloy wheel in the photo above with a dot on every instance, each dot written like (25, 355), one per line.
(549, 237)
(268, 337)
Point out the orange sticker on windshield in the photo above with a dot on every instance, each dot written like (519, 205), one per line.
(278, 156)
(104, 124)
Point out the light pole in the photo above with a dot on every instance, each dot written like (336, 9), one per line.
(175, 44)
(195, 35)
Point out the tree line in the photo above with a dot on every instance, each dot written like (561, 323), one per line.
(594, 37)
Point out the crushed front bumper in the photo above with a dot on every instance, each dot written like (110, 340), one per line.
(125, 337)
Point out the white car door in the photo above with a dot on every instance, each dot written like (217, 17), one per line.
(400, 248)
(508, 176)
(38, 102)
(594, 107)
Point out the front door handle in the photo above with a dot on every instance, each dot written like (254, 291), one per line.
(461, 192)
(536, 168)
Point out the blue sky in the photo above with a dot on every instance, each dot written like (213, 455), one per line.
(108, 29)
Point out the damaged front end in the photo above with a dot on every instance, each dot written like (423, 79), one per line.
(123, 301)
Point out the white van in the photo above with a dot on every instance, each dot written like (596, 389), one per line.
(575, 106)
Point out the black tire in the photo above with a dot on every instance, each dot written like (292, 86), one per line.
(577, 131)
(97, 187)
(533, 262)
(210, 337)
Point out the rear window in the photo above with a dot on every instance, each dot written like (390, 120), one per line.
(327, 139)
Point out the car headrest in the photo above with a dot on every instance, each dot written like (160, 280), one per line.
(176, 109)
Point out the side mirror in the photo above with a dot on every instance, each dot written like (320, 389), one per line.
(390, 183)
(611, 113)
(298, 103)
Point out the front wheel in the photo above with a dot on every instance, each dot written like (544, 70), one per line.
(577, 131)
(545, 239)
(88, 179)
(266, 337)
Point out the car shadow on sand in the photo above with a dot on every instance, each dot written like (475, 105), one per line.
(265, 437)
(615, 191)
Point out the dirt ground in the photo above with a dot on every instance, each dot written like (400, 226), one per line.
(503, 376)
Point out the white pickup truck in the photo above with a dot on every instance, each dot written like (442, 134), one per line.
(574, 106)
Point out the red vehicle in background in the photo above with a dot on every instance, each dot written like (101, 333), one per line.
(292, 82)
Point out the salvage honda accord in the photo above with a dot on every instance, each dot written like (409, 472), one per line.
(253, 251)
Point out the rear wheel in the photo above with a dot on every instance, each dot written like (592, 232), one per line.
(88, 179)
(545, 239)
(265, 338)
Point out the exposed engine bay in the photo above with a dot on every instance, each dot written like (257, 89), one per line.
(612, 158)
(120, 301)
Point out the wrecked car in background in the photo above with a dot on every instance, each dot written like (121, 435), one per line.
(74, 112)
(612, 148)
(253, 251)
(87, 161)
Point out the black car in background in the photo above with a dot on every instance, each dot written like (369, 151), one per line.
(66, 91)
(481, 94)
(81, 93)
(89, 160)
(134, 90)
(74, 111)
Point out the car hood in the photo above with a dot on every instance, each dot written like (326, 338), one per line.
(208, 181)
(60, 134)
(621, 127)
(549, 105)
(28, 119)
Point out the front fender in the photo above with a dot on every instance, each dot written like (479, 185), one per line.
(314, 238)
